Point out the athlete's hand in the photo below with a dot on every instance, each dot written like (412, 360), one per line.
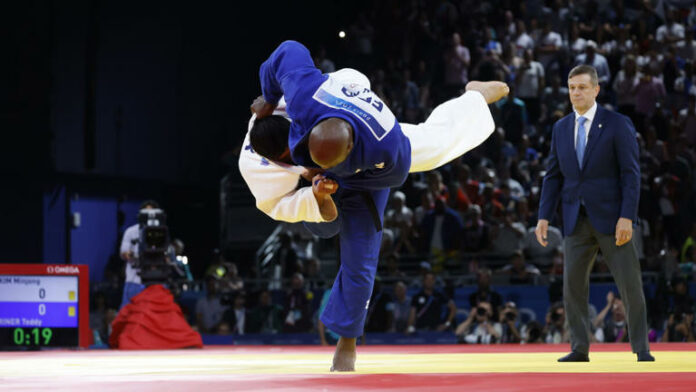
(262, 108)
(541, 229)
(322, 186)
(309, 173)
(624, 231)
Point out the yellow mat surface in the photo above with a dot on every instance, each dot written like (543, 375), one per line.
(189, 362)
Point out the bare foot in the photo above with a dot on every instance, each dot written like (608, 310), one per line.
(344, 357)
(491, 91)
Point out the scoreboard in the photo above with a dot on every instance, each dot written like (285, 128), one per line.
(44, 305)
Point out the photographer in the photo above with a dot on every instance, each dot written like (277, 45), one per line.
(680, 325)
(129, 253)
(614, 329)
(479, 327)
(508, 321)
(555, 330)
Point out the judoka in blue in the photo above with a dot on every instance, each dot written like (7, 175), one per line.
(379, 160)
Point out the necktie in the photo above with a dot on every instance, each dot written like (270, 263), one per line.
(581, 140)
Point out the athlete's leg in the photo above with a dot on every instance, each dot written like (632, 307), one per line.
(360, 242)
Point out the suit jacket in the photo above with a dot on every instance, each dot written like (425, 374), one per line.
(608, 182)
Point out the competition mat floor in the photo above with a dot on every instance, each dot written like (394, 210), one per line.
(379, 368)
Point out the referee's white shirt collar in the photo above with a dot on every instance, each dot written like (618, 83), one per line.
(589, 115)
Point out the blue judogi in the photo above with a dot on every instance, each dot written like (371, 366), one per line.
(380, 160)
(381, 155)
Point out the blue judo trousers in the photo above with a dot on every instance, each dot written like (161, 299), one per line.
(360, 243)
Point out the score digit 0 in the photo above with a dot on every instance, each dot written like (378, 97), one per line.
(42, 309)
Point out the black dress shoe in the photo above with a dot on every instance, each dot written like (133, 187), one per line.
(644, 356)
(575, 356)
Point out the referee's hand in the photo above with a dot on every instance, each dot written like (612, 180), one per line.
(624, 231)
(541, 230)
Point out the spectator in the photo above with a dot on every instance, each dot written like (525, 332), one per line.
(687, 121)
(491, 208)
(427, 308)
(597, 60)
(555, 99)
(670, 32)
(392, 266)
(480, 327)
(230, 280)
(506, 237)
(519, 271)
(491, 67)
(436, 186)
(490, 43)
(298, 306)
(548, 47)
(523, 41)
(441, 228)
(513, 116)
(315, 279)
(402, 308)
(425, 268)
(476, 232)
(680, 298)
(680, 326)
(426, 206)
(100, 318)
(613, 330)
(625, 84)
(400, 219)
(266, 317)
(380, 311)
(649, 92)
(457, 60)
(530, 84)
(532, 332)
(236, 318)
(555, 330)
(509, 321)
(209, 309)
(686, 49)
(484, 293)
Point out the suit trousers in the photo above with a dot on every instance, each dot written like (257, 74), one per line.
(581, 249)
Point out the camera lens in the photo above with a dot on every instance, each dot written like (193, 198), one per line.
(555, 316)
(480, 311)
(510, 316)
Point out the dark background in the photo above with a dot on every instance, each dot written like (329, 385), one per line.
(130, 100)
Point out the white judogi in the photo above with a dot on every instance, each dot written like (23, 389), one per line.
(452, 129)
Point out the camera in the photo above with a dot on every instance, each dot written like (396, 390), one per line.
(153, 247)
(555, 317)
(481, 311)
(510, 316)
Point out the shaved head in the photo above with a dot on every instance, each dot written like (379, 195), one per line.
(330, 142)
